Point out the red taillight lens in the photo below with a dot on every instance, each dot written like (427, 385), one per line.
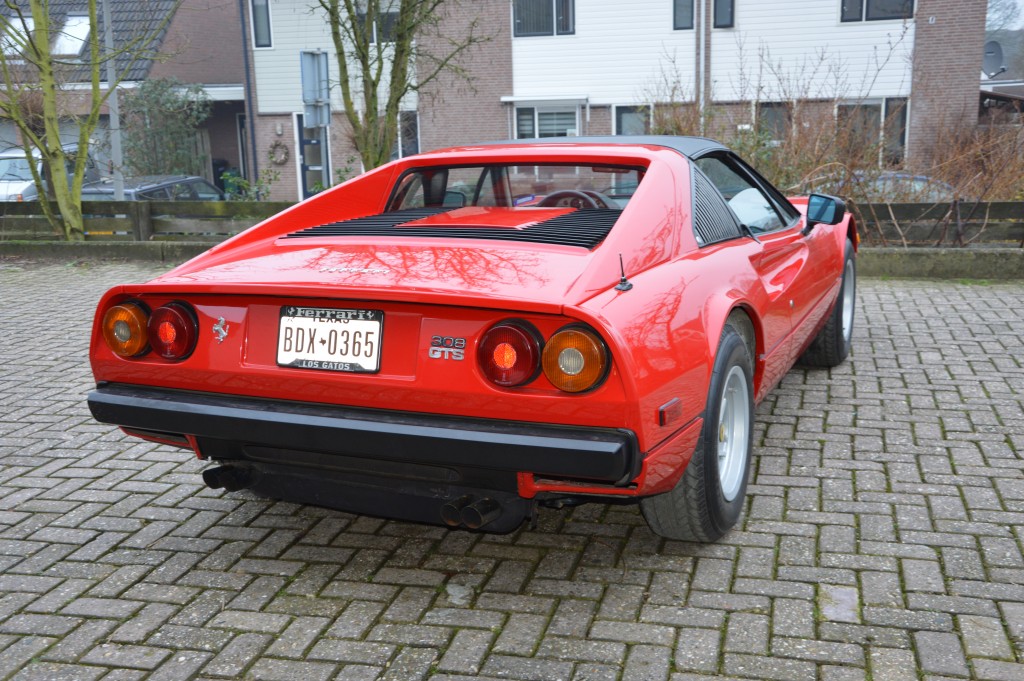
(124, 329)
(173, 331)
(509, 354)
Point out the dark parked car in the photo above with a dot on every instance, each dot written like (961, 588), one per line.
(155, 188)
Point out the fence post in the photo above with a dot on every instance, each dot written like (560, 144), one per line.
(142, 222)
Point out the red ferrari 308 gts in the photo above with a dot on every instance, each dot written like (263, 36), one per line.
(458, 336)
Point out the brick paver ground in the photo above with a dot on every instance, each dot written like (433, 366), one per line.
(882, 539)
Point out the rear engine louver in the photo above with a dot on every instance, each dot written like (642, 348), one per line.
(712, 220)
(584, 228)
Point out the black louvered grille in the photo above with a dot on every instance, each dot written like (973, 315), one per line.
(711, 218)
(584, 228)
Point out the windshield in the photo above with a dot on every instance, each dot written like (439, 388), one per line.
(522, 186)
(13, 169)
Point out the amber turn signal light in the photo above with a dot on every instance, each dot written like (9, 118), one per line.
(124, 329)
(575, 360)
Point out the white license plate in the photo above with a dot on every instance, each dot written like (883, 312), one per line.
(330, 338)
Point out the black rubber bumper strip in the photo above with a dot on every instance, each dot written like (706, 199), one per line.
(607, 455)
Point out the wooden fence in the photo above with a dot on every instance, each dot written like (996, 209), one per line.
(897, 224)
(941, 224)
(210, 221)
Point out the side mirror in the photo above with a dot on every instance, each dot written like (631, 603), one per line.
(824, 209)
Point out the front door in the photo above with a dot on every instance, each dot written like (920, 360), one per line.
(313, 159)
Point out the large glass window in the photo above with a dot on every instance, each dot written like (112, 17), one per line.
(261, 23)
(682, 14)
(543, 17)
(876, 10)
(725, 13)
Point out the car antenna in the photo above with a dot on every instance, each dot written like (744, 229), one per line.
(624, 284)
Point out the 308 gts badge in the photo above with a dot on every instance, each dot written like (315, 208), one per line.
(447, 347)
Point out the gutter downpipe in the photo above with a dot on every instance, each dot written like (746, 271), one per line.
(701, 49)
(250, 113)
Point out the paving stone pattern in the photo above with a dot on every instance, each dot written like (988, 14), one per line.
(882, 538)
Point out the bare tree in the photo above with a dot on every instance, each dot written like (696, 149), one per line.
(36, 100)
(384, 55)
(1002, 15)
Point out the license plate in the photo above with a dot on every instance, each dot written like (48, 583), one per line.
(330, 339)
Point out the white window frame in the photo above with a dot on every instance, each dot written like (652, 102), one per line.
(883, 104)
(864, 13)
(554, 22)
(252, 26)
(538, 109)
(615, 115)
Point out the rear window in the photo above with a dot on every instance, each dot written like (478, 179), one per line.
(514, 186)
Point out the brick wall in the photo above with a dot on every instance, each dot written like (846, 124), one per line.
(948, 46)
(454, 112)
(267, 126)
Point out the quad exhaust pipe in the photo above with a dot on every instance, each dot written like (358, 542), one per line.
(469, 511)
(230, 478)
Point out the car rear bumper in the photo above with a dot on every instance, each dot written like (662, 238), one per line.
(441, 457)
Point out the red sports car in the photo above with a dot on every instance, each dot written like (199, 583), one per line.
(458, 336)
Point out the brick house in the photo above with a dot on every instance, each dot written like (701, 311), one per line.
(200, 43)
(908, 68)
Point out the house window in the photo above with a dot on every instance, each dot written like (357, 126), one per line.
(408, 141)
(72, 37)
(261, 23)
(876, 10)
(682, 14)
(19, 32)
(894, 131)
(534, 122)
(774, 120)
(384, 28)
(724, 13)
(543, 17)
(878, 129)
(632, 120)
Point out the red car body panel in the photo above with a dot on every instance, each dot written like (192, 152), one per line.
(661, 334)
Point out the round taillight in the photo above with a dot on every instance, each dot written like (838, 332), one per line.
(124, 329)
(575, 360)
(173, 331)
(509, 355)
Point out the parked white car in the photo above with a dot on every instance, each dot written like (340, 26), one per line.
(16, 183)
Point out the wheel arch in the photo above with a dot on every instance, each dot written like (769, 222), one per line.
(743, 317)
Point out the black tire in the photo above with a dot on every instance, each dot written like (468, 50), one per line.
(697, 509)
(832, 344)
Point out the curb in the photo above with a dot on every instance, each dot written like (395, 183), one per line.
(895, 263)
(941, 263)
(170, 252)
